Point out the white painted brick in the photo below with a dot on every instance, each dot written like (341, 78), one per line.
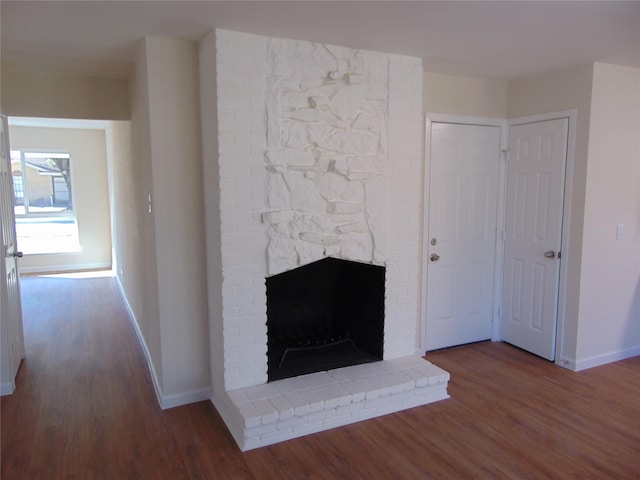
(286, 386)
(321, 415)
(407, 362)
(254, 393)
(261, 430)
(277, 436)
(250, 415)
(282, 406)
(371, 395)
(269, 390)
(348, 410)
(357, 389)
(299, 404)
(266, 410)
(291, 423)
(242, 136)
(315, 405)
(251, 443)
(308, 427)
(312, 380)
(237, 396)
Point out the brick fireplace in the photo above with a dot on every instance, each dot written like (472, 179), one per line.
(311, 152)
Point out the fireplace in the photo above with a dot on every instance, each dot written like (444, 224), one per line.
(312, 168)
(324, 315)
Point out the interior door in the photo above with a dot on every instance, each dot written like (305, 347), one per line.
(461, 238)
(12, 334)
(533, 234)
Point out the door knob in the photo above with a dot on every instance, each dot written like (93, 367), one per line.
(17, 254)
(549, 254)
(434, 257)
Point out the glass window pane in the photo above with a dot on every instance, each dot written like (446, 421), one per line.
(18, 183)
(43, 204)
(48, 182)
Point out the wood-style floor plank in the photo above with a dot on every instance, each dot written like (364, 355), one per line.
(85, 408)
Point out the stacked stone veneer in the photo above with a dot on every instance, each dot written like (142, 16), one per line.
(327, 153)
(310, 150)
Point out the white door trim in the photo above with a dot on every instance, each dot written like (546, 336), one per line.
(480, 121)
(572, 115)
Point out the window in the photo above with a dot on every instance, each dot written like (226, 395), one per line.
(18, 188)
(43, 202)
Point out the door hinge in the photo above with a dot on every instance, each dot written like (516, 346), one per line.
(559, 254)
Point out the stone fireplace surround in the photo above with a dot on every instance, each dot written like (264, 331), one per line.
(310, 150)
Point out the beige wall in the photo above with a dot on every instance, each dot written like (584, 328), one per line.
(603, 294)
(566, 90)
(134, 237)
(160, 254)
(178, 205)
(87, 148)
(610, 279)
(54, 95)
(466, 96)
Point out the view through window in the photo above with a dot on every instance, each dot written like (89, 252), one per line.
(43, 202)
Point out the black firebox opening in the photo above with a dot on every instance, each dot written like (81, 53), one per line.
(324, 315)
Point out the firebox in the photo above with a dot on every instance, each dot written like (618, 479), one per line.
(324, 315)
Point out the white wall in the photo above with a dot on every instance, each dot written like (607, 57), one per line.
(87, 148)
(609, 326)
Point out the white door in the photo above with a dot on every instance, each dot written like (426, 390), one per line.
(461, 238)
(12, 335)
(533, 233)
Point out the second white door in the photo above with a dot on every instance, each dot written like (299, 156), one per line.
(461, 239)
(533, 227)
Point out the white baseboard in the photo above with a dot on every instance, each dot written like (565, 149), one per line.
(72, 267)
(143, 344)
(7, 388)
(603, 359)
(184, 398)
(165, 401)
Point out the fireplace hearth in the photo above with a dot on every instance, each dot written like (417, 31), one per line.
(324, 315)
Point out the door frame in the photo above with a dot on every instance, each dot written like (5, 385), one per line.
(501, 123)
(572, 116)
(504, 124)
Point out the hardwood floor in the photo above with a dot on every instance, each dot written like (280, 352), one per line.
(84, 408)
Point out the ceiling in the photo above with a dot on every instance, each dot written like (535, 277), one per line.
(501, 40)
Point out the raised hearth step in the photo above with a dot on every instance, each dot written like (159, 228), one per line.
(285, 409)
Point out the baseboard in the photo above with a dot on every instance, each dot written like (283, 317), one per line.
(7, 388)
(165, 401)
(72, 267)
(603, 359)
(143, 344)
(178, 399)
